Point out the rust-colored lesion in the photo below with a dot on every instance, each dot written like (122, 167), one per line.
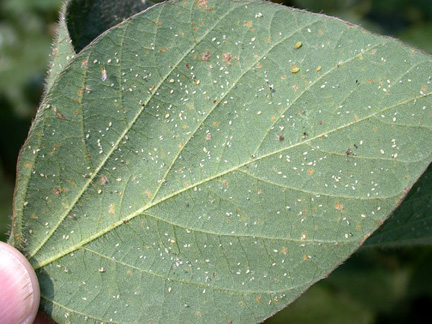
(248, 24)
(205, 56)
(111, 209)
(148, 194)
(339, 206)
(202, 3)
(225, 183)
(103, 180)
(227, 58)
(58, 113)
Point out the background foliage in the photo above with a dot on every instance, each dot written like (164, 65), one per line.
(374, 286)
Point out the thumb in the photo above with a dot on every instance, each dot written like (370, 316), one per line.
(19, 288)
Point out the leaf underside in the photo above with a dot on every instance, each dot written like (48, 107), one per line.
(411, 222)
(208, 161)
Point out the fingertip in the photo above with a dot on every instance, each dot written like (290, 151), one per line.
(19, 298)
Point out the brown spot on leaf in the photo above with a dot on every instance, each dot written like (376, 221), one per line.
(111, 209)
(248, 24)
(225, 183)
(103, 180)
(339, 206)
(55, 147)
(58, 113)
(148, 194)
(206, 56)
(227, 58)
(202, 3)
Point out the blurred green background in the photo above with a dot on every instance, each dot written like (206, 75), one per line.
(372, 287)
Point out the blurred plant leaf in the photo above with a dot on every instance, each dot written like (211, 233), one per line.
(411, 222)
(327, 307)
(87, 19)
(419, 35)
(210, 160)
(80, 22)
(6, 191)
(24, 48)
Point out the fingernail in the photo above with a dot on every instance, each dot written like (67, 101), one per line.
(19, 288)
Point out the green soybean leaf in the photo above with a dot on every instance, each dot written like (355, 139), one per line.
(62, 52)
(208, 161)
(81, 21)
(411, 222)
